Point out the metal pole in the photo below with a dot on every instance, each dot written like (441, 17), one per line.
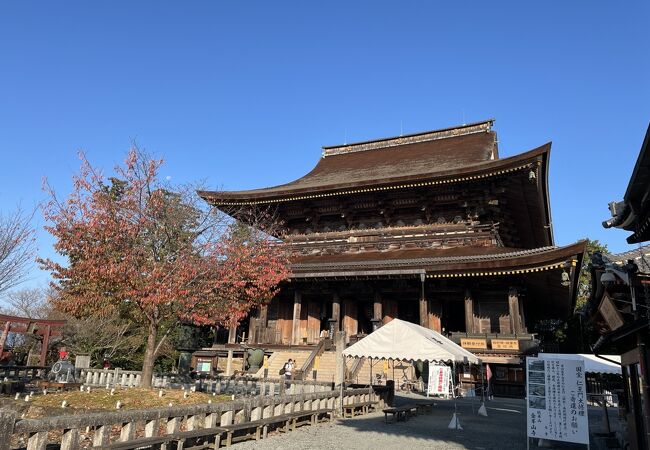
(482, 383)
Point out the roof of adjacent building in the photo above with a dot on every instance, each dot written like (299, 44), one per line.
(633, 213)
(640, 256)
(431, 154)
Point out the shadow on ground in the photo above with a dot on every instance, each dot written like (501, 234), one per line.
(504, 427)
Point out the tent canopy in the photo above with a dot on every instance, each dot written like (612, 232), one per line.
(407, 341)
(593, 363)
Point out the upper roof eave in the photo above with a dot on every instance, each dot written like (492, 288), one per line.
(497, 262)
(288, 192)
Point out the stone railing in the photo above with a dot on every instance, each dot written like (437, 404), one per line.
(222, 385)
(261, 386)
(100, 429)
(110, 377)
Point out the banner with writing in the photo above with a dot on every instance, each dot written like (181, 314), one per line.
(439, 380)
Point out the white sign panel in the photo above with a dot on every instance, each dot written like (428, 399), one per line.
(557, 400)
(439, 380)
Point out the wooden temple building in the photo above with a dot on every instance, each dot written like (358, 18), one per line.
(619, 306)
(433, 228)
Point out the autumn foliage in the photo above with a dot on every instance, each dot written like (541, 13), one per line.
(155, 255)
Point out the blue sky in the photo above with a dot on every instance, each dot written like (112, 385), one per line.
(244, 94)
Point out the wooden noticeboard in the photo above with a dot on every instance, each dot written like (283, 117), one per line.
(505, 344)
(608, 310)
(473, 343)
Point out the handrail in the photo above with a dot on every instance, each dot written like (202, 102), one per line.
(309, 362)
(354, 370)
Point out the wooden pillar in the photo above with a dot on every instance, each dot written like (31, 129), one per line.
(424, 305)
(46, 344)
(253, 320)
(295, 330)
(522, 315)
(435, 314)
(336, 310)
(350, 323)
(513, 308)
(377, 312)
(469, 312)
(264, 314)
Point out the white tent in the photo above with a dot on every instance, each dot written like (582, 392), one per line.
(593, 363)
(405, 341)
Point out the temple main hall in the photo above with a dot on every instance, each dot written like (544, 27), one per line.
(432, 228)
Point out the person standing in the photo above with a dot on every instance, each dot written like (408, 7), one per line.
(288, 369)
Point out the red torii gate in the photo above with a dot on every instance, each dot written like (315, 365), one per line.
(25, 325)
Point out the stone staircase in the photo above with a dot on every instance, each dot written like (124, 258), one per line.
(326, 368)
(279, 357)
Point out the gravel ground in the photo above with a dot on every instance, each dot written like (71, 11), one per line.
(424, 431)
(504, 428)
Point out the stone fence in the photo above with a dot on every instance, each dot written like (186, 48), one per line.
(110, 377)
(100, 429)
(262, 386)
(221, 385)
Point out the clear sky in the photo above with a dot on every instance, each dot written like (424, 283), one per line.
(244, 94)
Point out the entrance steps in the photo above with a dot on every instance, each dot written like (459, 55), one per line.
(327, 367)
(279, 357)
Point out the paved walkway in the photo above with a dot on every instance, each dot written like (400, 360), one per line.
(503, 429)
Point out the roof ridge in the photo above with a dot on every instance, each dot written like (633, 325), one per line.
(425, 136)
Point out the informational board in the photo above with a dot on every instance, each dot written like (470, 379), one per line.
(557, 400)
(439, 377)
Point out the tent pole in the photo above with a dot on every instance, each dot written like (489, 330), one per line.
(482, 383)
(453, 387)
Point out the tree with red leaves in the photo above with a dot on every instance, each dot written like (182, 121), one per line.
(154, 255)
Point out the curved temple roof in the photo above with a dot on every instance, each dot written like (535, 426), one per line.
(385, 161)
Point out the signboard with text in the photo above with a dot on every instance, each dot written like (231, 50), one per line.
(556, 400)
(473, 343)
(505, 344)
(439, 380)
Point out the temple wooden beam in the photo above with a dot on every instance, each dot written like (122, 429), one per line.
(424, 304)
(513, 309)
(469, 312)
(336, 311)
(377, 310)
(295, 329)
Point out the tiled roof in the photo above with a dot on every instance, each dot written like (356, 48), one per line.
(384, 161)
(434, 259)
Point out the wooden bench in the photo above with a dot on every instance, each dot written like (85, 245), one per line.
(400, 412)
(361, 407)
(425, 407)
(200, 439)
(258, 429)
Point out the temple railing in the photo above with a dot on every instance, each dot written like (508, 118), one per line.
(23, 372)
(218, 385)
(101, 429)
(110, 377)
